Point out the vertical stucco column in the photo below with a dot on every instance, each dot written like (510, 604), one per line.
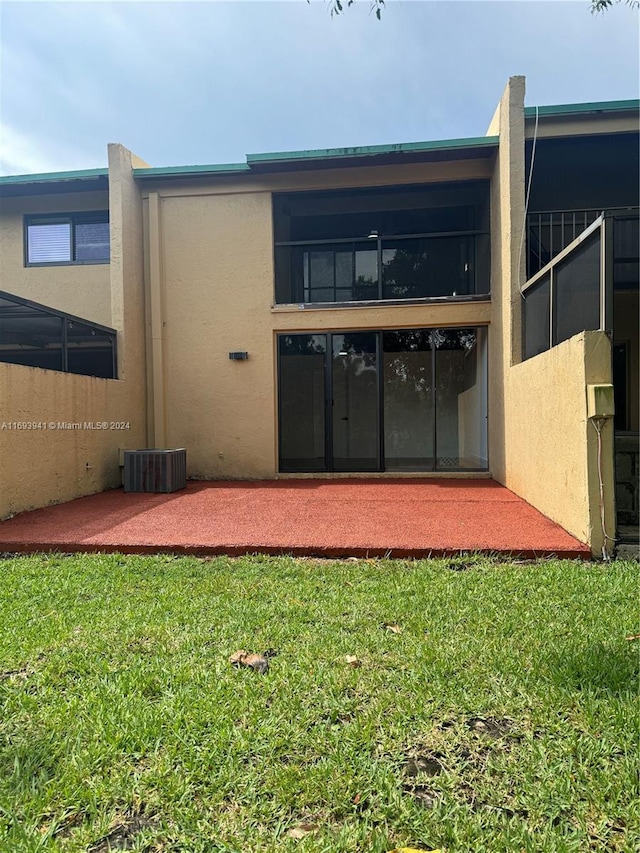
(156, 373)
(507, 262)
(127, 283)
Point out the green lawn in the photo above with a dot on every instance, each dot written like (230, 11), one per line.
(499, 715)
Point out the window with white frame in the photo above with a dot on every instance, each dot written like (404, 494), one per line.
(69, 238)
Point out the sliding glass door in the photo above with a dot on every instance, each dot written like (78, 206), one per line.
(408, 400)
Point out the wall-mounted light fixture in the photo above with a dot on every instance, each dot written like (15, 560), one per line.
(373, 235)
(238, 356)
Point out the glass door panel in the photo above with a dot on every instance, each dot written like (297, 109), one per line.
(355, 396)
(461, 397)
(408, 401)
(302, 402)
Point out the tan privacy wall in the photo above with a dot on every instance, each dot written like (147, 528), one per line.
(64, 454)
(80, 289)
(551, 444)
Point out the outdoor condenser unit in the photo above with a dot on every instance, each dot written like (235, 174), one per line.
(155, 470)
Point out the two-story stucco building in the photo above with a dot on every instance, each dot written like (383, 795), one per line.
(440, 308)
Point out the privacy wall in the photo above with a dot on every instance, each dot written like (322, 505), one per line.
(60, 434)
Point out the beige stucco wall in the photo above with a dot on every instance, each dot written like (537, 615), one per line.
(81, 289)
(551, 445)
(210, 266)
(51, 464)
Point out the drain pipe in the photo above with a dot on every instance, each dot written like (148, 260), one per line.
(158, 431)
(600, 409)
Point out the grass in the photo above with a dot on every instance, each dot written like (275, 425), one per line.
(501, 716)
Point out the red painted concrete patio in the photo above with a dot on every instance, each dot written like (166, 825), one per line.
(331, 518)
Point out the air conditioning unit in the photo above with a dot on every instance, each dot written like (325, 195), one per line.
(155, 470)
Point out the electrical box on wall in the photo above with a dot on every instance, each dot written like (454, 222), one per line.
(600, 401)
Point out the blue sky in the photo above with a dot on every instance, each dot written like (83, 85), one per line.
(208, 82)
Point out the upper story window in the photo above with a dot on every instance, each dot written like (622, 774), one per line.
(387, 244)
(68, 238)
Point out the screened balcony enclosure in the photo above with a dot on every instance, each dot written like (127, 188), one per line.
(584, 285)
(399, 243)
(37, 336)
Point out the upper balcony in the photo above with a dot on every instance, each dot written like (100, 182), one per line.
(391, 245)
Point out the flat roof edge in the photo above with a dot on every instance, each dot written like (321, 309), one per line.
(186, 171)
(372, 150)
(50, 177)
(576, 109)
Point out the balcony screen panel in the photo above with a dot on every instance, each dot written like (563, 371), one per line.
(31, 338)
(289, 271)
(626, 275)
(577, 291)
(480, 267)
(344, 273)
(359, 223)
(92, 241)
(90, 351)
(537, 317)
(626, 253)
(49, 242)
(418, 268)
(366, 274)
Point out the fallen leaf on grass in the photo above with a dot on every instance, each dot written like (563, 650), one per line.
(244, 658)
(414, 850)
(301, 830)
(353, 661)
(396, 629)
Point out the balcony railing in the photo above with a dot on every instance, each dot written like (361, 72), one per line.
(550, 232)
(443, 265)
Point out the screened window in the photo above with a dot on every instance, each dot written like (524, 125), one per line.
(81, 238)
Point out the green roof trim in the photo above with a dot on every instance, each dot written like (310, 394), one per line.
(44, 177)
(185, 171)
(577, 109)
(373, 150)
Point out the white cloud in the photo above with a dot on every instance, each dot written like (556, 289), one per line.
(20, 154)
